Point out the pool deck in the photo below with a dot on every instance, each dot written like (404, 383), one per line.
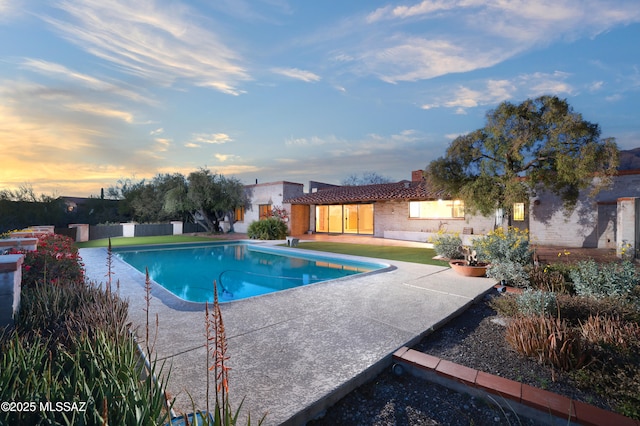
(296, 352)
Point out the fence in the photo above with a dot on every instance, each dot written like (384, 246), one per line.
(151, 229)
(97, 232)
(189, 228)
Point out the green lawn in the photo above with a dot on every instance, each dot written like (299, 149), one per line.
(405, 254)
(138, 241)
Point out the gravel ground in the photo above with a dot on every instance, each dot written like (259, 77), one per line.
(474, 339)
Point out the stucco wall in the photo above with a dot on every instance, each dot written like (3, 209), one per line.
(268, 193)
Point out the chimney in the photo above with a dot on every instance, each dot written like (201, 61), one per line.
(417, 175)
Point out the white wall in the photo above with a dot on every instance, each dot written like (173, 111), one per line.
(268, 193)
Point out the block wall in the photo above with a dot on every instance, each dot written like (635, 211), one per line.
(394, 216)
(592, 224)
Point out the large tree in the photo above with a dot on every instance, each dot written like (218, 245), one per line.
(540, 144)
(143, 201)
(366, 178)
(208, 198)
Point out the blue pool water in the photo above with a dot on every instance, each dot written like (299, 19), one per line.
(241, 271)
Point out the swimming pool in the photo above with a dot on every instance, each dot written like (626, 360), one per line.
(241, 270)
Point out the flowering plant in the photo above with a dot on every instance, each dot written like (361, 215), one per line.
(500, 246)
(56, 260)
(279, 213)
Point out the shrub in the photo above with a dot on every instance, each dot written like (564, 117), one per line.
(577, 309)
(61, 312)
(607, 279)
(448, 246)
(605, 330)
(550, 340)
(72, 343)
(550, 278)
(506, 304)
(56, 260)
(270, 228)
(536, 302)
(502, 246)
(512, 273)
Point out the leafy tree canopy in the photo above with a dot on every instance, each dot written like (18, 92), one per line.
(207, 197)
(538, 144)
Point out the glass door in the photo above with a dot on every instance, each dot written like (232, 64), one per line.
(322, 218)
(350, 218)
(365, 219)
(335, 219)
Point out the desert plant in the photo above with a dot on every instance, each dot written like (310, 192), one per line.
(71, 343)
(549, 278)
(550, 340)
(537, 302)
(506, 305)
(448, 245)
(603, 280)
(502, 246)
(611, 331)
(511, 273)
(270, 228)
(63, 311)
(216, 346)
(577, 309)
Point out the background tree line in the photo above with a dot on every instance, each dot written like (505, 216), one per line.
(201, 197)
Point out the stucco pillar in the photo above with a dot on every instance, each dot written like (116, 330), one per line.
(128, 229)
(178, 227)
(627, 220)
(10, 281)
(82, 231)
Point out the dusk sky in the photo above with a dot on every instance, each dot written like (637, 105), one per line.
(92, 91)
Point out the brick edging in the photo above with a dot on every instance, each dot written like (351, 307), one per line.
(539, 399)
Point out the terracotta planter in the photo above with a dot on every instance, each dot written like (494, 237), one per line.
(462, 268)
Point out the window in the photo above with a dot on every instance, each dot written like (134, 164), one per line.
(239, 213)
(440, 209)
(264, 210)
(518, 212)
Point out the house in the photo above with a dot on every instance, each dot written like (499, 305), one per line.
(410, 210)
(406, 210)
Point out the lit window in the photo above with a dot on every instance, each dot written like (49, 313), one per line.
(440, 209)
(239, 214)
(264, 210)
(518, 212)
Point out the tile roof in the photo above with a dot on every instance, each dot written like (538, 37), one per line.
(403, 190)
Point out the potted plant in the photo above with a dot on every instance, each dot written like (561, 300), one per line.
(469, 266)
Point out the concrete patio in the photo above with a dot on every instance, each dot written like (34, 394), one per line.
(296, 352)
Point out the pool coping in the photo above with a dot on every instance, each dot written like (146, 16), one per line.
(295, 353)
